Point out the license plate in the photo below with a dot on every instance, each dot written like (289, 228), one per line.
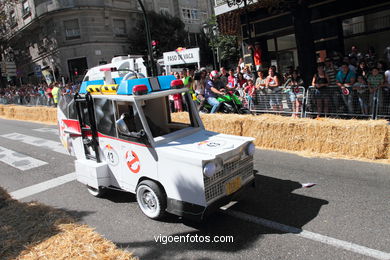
(233, 185)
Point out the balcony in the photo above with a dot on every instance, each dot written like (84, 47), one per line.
(361, 25)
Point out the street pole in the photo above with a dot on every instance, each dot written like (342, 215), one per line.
(148, 40)
(250, 40)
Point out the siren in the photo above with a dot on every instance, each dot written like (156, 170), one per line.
(177, 83)
(140, 90)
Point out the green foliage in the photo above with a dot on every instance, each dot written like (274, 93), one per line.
(227, 45)
(168, 30)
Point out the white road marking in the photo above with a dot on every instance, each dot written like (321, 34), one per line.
(309, 235)
(47, 130)
(36, 141)
(43, 186)
(19, 160)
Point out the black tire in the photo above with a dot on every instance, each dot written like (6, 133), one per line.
(151, 199)
(98, 193)
(245, 111)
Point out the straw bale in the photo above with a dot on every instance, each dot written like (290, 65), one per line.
(355, 138)
(36, 114)
(35, 231)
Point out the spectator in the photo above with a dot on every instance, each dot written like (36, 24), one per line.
(370, 57)
(345, 79)
(293, 83)
(238, 70)
(232, 80)
(249, 91)
(49, 95)
(224, 76)
(355, 55)
(375, 82)
(177, 98)
(334, 93)
(240, 84)
(260, 86)
(241, 64)
(199, 88)
(272, 84)
(362, 70)
(361, 88)
(247, 73)
(211, 91)
(257, 53)
(321, 83)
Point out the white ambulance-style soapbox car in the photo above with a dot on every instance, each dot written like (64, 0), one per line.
(125, 137)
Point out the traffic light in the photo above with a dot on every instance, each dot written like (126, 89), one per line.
(147, 65)
(156, 50)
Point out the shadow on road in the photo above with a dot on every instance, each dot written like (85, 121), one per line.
(272, 199)
(23, 225)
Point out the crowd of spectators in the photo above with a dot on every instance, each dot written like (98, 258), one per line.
(356, 84)
(35, 94)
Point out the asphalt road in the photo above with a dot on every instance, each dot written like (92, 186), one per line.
(345, 216)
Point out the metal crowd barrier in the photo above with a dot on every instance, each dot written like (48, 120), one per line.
(382, 101)
(331, 101)
(280, 100)
(27, 100)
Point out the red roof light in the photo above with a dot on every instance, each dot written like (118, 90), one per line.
(108, 69)
(140, 90)
(177, 83)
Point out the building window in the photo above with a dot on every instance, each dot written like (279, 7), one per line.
(190, 15)
(12, 19)
(26, 9)
(120, 27)
(164, 11)
(72, 29)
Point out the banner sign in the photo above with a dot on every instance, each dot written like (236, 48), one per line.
(185, 56)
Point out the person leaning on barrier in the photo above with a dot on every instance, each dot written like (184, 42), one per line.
(345, 79)
(361, 88)
(272, 84)
(375, 82)
(292, 86)
(321, 83)
(260, 87)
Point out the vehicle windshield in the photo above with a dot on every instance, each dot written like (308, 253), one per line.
(161, 118)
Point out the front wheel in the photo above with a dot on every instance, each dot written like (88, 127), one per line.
(151, 199)
(99, 192)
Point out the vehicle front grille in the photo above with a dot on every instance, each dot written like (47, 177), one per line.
(215, 186)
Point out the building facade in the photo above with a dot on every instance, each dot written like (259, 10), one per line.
(66, 37)
(194, 13)
(300, 35)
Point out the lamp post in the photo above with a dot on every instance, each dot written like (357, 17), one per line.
(148, 40)
(211, 32)
(245, 4)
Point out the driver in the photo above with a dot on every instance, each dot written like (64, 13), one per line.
(211, 91)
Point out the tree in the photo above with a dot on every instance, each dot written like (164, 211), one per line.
(227, 45)
(167, 30)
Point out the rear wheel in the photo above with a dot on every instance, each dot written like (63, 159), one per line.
(151, 199)
(99, 192)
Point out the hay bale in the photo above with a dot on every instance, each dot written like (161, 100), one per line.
(46, 115)
(352, 138)
(35, 231)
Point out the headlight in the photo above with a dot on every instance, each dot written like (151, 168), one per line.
(209, 169)
(250, 149)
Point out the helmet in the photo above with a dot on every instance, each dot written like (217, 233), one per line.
(214, 74)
